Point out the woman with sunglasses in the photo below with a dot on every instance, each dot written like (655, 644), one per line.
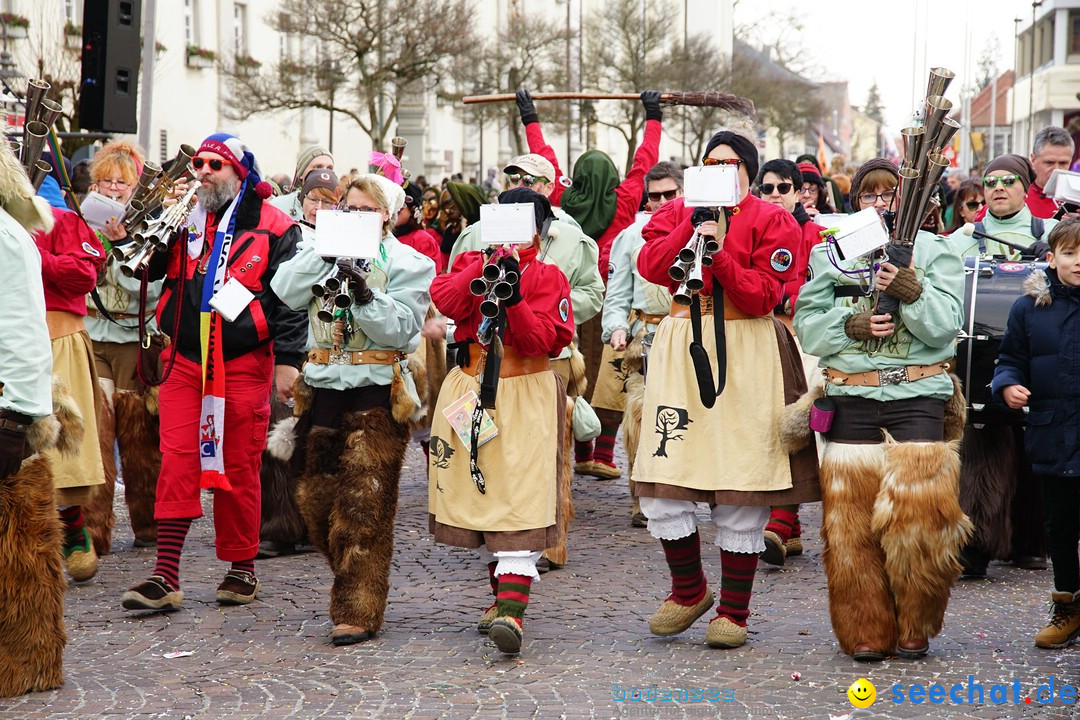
(728, 454)
(892, 524)
(967, 202)
(359, 399)
(778, 183)
(1005, 184)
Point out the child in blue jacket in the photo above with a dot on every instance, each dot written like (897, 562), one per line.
(1039, 367)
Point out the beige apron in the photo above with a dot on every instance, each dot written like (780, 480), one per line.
(519, 464)
(735, 444)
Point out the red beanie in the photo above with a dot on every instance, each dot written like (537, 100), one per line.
(809, 169)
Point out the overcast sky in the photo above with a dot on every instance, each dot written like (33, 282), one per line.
(865, 40)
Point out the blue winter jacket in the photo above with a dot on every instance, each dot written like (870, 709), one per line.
(1041, 351)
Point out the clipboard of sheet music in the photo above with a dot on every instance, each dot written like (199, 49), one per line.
(460, 413)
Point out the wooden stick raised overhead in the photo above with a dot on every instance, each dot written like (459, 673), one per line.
(725, 101)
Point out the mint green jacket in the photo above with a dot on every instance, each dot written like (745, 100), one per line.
(924, 334)
(120, 294)
(1016, 229)
(627, 290)
(399, 281)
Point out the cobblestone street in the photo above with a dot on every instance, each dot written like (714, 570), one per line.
(586, 641)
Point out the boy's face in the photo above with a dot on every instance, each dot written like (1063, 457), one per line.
(1067, 263)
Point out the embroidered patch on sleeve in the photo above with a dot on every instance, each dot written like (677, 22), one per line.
(90, 249)
(781, 259)
(809, 273)
(564, 309)
(610, 270)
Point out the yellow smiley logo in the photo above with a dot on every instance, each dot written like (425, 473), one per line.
(862, 693)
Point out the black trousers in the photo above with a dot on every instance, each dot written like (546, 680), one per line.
(1061, 501)
(861, 420)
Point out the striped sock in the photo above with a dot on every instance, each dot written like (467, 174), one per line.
(171, 534)
(796, 532)
(684, 560)
(245, 565)
(583, 451)
(783, 519)
(492, 579)
(736, 585)
(73, 521)
(605, 444)
(513, 595)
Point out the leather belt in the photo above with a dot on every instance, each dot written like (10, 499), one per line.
(647, 318)
(63, 323)
(94, 313)
(326, 356)
(730, 311)
(885, 376)
(513, 363)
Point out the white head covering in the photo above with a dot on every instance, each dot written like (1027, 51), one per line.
(395, 196)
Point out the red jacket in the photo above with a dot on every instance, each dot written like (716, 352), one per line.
(264, 237)
(1039, 204)
(811, 236)
(629, 192)
(535, 137)
(760, 252)
(541, 324)
(426, 242)
(70, 258)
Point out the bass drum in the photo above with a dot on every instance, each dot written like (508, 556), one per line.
(991, 288)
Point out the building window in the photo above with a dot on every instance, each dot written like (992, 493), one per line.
(191, 35)
(239, 25)
(71, 12)
(1044, 52)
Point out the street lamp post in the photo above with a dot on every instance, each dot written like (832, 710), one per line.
(1016, 74)
(1031, 77)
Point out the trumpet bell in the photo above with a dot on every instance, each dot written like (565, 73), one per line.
(939, 81)
(489, 308)
(41, 169)
(478, 287)
(492, 272)
(913, 142)
(682, 295)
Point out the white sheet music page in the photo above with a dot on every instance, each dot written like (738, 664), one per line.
(347, 234)
(510, 224)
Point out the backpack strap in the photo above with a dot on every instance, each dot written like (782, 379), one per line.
(980, 227)
(1038, 227)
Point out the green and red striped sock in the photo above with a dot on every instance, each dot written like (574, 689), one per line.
(492, 579)
(783, 520)
(171, 535)
(583, 451)
(605, 444)
(684, 560)
(736, 585)
(513, 596)
(245, 565)
(73, 521)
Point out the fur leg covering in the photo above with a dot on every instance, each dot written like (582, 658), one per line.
(635, 396)
(860, 600)
(138, 434)
(795, 432)
(281, 521)
(361, 536)
(32, 582)
(917, 514)
(560, 554)
(319, 485)
(987, 485)
(100, 518)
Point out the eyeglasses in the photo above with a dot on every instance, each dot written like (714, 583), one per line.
(1006, 180)
(726, 161)
(363, 208)
(214, 163)
(870, 198)
(782, 188)
(810, 190)
(319, 202)
(525, 180)
(119, 184)
(667, 195)
(974, 204)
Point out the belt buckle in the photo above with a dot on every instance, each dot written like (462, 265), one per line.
(337, 357)
(892, 376)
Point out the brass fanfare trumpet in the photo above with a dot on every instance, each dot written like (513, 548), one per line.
(154, 187)
(41, 113)
(134, 258)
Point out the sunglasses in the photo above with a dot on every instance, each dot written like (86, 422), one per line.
(667, 195)
(1006, 180)
(782, 188)
(974, 204)
(726, 161)
(214, 163)
(525, 180)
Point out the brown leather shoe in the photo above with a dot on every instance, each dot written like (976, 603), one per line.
(152, 594)
(238, 588)
(344, 634)
(865, 653)
(913, 648)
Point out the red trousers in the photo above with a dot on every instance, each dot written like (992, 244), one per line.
(248, 382)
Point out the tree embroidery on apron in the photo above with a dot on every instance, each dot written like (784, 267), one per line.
(669, 420)
(441, 452)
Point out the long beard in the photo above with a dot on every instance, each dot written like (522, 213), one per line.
(215, 197)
